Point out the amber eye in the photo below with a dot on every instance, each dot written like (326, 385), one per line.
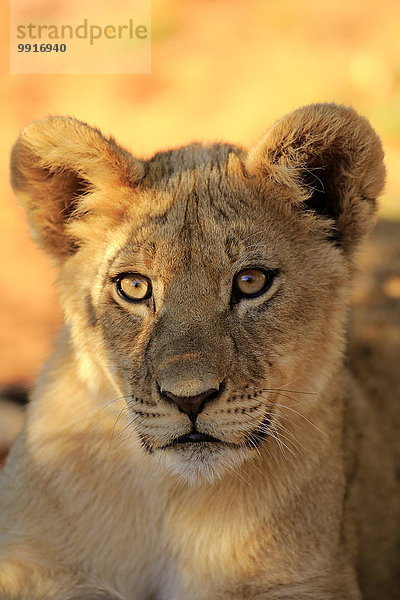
(252, 282)
(134, 287)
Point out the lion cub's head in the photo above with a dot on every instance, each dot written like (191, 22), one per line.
(208, 285)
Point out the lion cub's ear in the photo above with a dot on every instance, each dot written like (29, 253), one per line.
(334, 158)
(57, 166)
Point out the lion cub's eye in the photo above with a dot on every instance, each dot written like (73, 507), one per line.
(252, 282)
(133, 287)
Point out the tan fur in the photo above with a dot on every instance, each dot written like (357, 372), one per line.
(299, 499)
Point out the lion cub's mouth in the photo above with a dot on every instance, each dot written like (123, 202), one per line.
(194, 437)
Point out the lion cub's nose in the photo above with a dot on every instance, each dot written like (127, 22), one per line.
(191, 405)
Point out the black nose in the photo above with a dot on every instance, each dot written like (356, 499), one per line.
(191, 405)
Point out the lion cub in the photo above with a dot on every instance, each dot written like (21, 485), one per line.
(197, 434)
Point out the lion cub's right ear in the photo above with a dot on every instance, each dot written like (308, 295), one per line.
(57, 166)
(333, 159)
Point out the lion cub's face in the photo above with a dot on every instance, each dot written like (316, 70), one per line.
(209, 313)
(210, 290)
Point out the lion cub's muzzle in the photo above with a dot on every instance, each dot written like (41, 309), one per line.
(192, 405)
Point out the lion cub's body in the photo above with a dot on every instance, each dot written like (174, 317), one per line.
(293, 493)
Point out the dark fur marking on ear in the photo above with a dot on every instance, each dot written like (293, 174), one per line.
(73, 185)
(324, 200)
(324, 207)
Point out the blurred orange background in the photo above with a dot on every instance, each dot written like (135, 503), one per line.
(221, 69)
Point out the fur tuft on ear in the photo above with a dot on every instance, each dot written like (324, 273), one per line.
(56, 164)
(332, 159)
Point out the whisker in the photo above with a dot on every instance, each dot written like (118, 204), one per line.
(121, 440)
(301, 415)
(275, 435)
(90, 415)
(112, 432)
(290, 391)
(285, 437)
(277, 425)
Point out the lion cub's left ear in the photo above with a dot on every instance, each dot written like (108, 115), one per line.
(63, 171)
(333, 161)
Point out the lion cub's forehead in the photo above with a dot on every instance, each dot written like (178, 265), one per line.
(179, 239)
(193, 209)
(198, 227)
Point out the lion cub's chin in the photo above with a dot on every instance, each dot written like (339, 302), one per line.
(198, 464)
